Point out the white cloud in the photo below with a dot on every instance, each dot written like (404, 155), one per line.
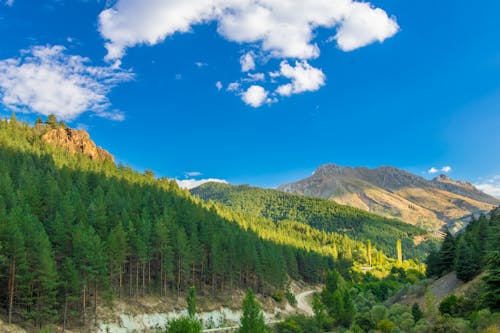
(218, 85)
(200, 64)
(45, 80)
(192, 183)
(190, 174)
(233, 86)
(303, 77)
(446, 169)
(9, 2)
(247, 62)
(490, 186)
(362, 25)
(282, 28)
(255, 96)
(253, 77)
(433, 170)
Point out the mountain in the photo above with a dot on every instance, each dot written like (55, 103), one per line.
(391, 192)
(321, 214)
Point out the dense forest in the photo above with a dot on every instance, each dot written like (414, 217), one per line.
(318, 213)
(76, 232)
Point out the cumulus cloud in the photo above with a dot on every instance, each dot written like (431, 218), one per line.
(281, 29)
(433, 170)
(9, 2)
(200, 64)
(255, 96)
(490, 186)
(363, 25)
(46, 80)
(446, 169)
(303, 78)
(192, 183)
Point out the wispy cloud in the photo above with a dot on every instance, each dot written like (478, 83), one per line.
(265, 29)
(190, 174)
(46, 80)
(490, 186)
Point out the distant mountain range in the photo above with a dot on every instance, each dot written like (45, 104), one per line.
(391, 192)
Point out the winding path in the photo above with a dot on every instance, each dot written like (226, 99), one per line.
(302, 304)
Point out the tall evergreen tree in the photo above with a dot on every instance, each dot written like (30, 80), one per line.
(252, 320)
(447, 253)
(466, 261)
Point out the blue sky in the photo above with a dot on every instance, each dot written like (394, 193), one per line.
(415, 85)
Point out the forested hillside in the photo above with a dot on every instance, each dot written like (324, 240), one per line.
(320, 214)
(75, 232)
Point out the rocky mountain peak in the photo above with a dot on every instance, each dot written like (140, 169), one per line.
(76, 141)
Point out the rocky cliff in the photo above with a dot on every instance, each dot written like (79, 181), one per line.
(76, 141)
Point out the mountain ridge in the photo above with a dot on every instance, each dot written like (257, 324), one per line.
(392, 192)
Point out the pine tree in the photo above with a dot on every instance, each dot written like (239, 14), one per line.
(492, 281)
(51, 121)
(191, 302)
(447, 253)
(416, 312)
(466, 262)
(252, 320)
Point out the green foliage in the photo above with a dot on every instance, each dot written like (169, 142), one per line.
(290, 297)
(416, 312)
(252, 319)
(337, 300)
(184, 325)
(385, 325)
(297, 324)
(191, 302)
(320, 214)
(466, 261)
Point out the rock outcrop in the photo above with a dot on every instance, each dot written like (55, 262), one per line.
(76, 141)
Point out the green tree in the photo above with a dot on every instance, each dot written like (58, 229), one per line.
(447, 253)
(252, 320)
(385, 325)
(191, 302)
(51, 121)
(492, 281)
(184, 325)
(416, 312)
(466, 262)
